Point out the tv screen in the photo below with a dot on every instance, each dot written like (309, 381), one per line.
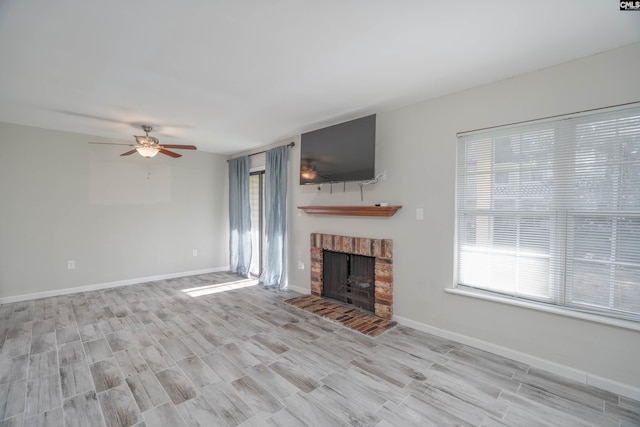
(343, 152)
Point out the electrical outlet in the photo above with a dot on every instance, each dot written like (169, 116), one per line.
(300, 265)
(71, 264)
(195, 252)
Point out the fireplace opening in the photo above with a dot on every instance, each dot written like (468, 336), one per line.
(349, 278)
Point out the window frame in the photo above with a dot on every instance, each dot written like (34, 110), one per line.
(559, 300)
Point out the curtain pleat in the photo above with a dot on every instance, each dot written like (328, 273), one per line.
(239, 216)
(276, 217)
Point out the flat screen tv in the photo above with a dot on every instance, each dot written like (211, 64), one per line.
(339, 153)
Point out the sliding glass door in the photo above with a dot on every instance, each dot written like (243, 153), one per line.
(256, 201)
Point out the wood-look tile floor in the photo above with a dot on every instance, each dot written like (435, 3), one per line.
(204, 351)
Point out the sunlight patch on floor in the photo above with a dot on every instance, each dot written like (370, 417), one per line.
(220, 287)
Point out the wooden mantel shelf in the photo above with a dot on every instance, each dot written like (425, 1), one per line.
(351, 210)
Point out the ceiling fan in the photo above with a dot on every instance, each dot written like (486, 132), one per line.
(149, 146)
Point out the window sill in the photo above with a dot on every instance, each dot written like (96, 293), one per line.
(620, 323)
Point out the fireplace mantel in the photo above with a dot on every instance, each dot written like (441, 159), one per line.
(383, 211)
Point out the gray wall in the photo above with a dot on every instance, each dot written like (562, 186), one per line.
(119, 218)
(416, 146)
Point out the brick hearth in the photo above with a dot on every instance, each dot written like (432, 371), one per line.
(380, 249)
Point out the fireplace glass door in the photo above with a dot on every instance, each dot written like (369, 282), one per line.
(349, 278)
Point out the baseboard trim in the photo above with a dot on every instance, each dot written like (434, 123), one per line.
(298, 289)
(534, 361)
(98, 286)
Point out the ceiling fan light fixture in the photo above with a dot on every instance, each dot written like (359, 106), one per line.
(147, 151)
(308, 172)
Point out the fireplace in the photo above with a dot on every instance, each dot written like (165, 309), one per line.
(378, 252)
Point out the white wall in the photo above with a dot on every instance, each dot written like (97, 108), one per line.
(119, 218)
(416, 146)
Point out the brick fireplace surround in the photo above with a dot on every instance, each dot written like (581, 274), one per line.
(380, 249)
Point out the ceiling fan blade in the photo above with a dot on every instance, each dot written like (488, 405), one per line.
(182, 147)
(128, 153)
(169, 153)
(110, 143)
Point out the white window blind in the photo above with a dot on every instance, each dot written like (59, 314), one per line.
(550, 211)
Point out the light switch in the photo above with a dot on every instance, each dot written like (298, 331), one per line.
(419, 214)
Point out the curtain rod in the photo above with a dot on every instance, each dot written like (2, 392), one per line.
(291, 144)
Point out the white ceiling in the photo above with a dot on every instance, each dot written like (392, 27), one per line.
(232, 75)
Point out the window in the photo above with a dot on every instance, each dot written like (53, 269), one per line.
(256, 202)
(549, 211)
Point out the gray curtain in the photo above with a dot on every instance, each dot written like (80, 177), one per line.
(239, 216)
(276, 217)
